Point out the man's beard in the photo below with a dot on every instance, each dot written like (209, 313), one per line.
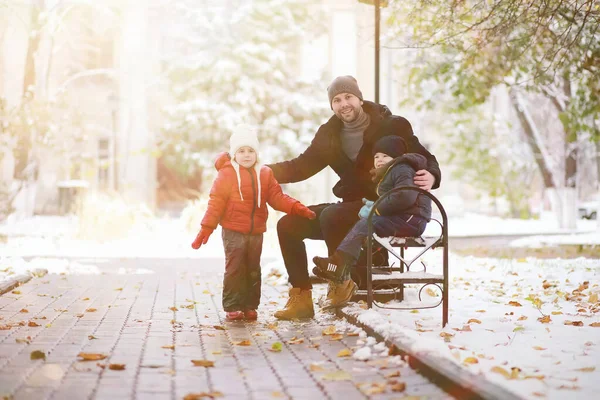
(350, 116)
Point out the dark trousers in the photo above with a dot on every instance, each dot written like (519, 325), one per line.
(242, 280)
(332, 224)
(392, 225)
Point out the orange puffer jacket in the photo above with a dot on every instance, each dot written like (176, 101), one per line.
(226, 207)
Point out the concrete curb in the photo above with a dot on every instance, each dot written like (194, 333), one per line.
(17, 280)
(450, 377)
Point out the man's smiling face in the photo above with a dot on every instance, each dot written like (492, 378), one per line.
(346, 107)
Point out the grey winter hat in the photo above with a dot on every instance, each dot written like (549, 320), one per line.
(343, 84)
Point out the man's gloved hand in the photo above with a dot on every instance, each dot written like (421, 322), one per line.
(202, 237)
(301, 210)
(366, 209)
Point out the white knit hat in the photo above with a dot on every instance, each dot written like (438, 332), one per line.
(244, 135)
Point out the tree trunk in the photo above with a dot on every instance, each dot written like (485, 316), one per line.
(32, 47)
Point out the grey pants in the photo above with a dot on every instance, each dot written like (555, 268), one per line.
(241, 284)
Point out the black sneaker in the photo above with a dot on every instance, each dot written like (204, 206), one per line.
(332, 268)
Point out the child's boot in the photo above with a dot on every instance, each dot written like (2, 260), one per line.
(335, 268)
(234, 315)
(299, 305)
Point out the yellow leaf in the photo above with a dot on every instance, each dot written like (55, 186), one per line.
(337, 376)
(24, 310)
(203, 363)
(539, 348)
(480, 311)
(202, 395)
(330, 330)
(91, 356)
(474, 321)
(116, 367)
(446, 334)
(574, 323)
(85, 299)
(344, 353)
(394, 374)
(91, 310)
(471, 360)
(414, 311)
(168, 346)
(217, 352)
(595, 324)
(586, 369)
(431, 292)
(336, 337)
(243, 343)
(16, 292)
(514, 303)
(173, 308)
(296, 340)
(514, 372)
(522, 318)
(593, 298)
(501, 371)
(352, 334)
(556, 313)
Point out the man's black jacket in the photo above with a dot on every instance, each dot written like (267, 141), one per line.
(355, 180)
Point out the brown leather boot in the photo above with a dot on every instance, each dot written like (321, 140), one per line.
(299, 305)
(338, 294)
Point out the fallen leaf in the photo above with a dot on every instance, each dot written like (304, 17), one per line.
(168, 346)
(85, 299)
(352, 334)
(330, 330)
(337, 376)
(574, 323)
(519, 329)
(91, 356)
(91, 310)
(398, 387)
(474, 321)
(316, 367)
(372, 388)
(202, 395)
(545, 319)
(595, 324)
(116, 367)
(593, 298)
(336, 337)
(16, 292)
(471, 360)
(219, 328)
(538, 394)
(32, 324)
(446, 334)
(296, 340)
(539, 348)
(276, 347)
(586, 369)
(23, 310)
(344, 353)
(501, 371)
(514, 303)
(203, 363)
(92, 337)
(37, 355)
(394, 374)
(217, 352)
(465, 328)
(414, 311)
(173, 309)
(556, 313)
(243, 343)
(522, 318)
(21, 340)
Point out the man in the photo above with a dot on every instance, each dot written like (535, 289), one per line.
(343, 143)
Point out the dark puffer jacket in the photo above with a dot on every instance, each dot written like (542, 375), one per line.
(326, 150)
(401, 172)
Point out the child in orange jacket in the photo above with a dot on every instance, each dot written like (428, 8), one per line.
(238, 202)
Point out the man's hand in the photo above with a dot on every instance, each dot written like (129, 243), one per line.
(301, 210)
(201, 238)
(424, 179)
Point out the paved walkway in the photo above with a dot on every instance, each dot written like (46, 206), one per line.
(154, 324)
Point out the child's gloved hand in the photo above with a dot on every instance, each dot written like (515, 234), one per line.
(202, 237)
(366, 209)
(301, 210)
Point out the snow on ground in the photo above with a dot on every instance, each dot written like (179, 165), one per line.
(530, 325)
(528, 345)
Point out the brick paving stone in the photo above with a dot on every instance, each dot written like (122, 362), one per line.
(134, 318)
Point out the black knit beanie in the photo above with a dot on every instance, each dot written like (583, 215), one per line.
(393, 146)
(343, 84)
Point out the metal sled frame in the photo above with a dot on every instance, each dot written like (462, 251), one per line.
(405, 276)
